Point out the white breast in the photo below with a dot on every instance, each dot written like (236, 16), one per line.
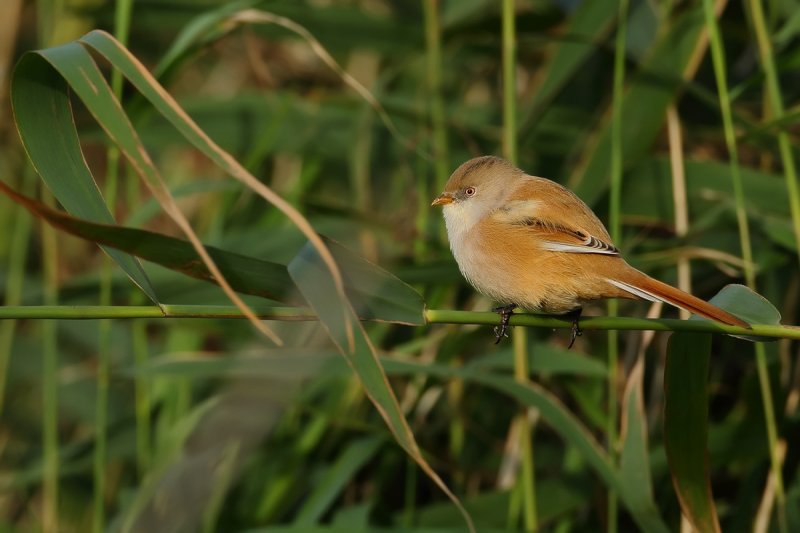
(460, 221)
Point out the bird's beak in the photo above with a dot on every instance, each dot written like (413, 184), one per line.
(443, 199)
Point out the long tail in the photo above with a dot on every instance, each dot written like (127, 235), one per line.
(643, 286)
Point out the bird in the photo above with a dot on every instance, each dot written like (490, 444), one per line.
(529, 242)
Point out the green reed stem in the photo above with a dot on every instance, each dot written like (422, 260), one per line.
(50, 378)
(122, 25)
(122, 16)
(527, 479)
(15, 278)
(49, 13)
(789, 168)
(434, 69)
(427, 188)
(409, 494)
(142, 397)
(615, 227)
(430, 316)
(142, 383)
(777, 112)
(509, 82)
(617, 154)
(101, 405)
(718, 57)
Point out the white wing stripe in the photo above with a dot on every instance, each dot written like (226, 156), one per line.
(553, 246)
(636, 291)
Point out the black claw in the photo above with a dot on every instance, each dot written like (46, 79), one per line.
(505, 312)
(576, 328)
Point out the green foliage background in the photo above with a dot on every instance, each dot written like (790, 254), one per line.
(202, 425)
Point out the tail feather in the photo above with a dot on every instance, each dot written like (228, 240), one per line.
(648, 288)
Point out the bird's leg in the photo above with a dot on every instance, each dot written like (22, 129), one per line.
(575, 315)
(505, 312)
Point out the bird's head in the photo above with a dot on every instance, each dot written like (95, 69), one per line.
(479, 185)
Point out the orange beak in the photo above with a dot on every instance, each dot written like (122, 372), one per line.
(443, 199)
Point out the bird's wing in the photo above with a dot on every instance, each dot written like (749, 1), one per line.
(559, 220)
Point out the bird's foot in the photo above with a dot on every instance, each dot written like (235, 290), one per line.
(575, 315)
(505, 312)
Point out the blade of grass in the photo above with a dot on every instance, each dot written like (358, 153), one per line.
(333, 481)
(720, 73)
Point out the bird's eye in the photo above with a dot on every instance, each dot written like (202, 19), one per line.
(469, 191)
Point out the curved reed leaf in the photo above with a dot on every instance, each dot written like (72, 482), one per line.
(325, 290)
(76, 66)
(375, 293)
(40, 99)
(336, 313)
(346, 332)
(246, 275)
(686, 426)
(747, 304)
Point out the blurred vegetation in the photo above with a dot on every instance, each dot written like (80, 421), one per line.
(203, 426)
